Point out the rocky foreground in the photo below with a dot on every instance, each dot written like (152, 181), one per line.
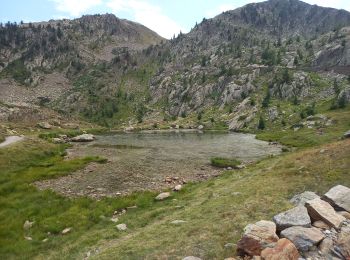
(316, 228)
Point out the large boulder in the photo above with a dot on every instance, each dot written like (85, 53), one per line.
(256, 238)
(284, 249)
(321, 210)
(83, 138)
(297, 216)
(339, 197)
(303, 238)
(302, 198)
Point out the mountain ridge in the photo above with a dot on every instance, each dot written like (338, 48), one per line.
(112, 80)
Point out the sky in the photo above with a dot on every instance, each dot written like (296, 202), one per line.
(166, 17)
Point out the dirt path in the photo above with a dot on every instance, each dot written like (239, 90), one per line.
(11, 140)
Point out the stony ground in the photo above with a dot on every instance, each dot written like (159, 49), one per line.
(119, 177)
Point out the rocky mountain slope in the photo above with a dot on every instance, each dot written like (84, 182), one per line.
(40, 61)
(244, 66)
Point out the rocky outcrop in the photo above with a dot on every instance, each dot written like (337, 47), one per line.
(327, 238)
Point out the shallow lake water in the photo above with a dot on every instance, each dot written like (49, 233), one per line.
(155, 161)
(190, 145)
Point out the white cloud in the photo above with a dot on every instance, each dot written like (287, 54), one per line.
(147, 14)
(75, 7)
(218, 10)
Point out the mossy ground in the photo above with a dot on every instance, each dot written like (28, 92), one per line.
(215, 211)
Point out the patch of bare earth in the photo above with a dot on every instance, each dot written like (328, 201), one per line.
(120, 176)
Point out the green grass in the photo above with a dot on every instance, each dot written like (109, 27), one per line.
(23, 164)
(306, 137)
(224, 162)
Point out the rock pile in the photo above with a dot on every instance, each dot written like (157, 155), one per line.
(316, 228)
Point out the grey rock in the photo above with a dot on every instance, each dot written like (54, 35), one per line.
(229, 245)
(177, 222)
(347, 134)
(27, 224)
(297, 216)
(163, 196)
(121, 227)
(114, 219)
(178, 187)
(66, 231)
(191, 258)
(83, 138)
(44, 125)
(303, 238)
(301, 198)
(339, 196)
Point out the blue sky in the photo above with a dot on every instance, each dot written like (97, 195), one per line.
(166, 17)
